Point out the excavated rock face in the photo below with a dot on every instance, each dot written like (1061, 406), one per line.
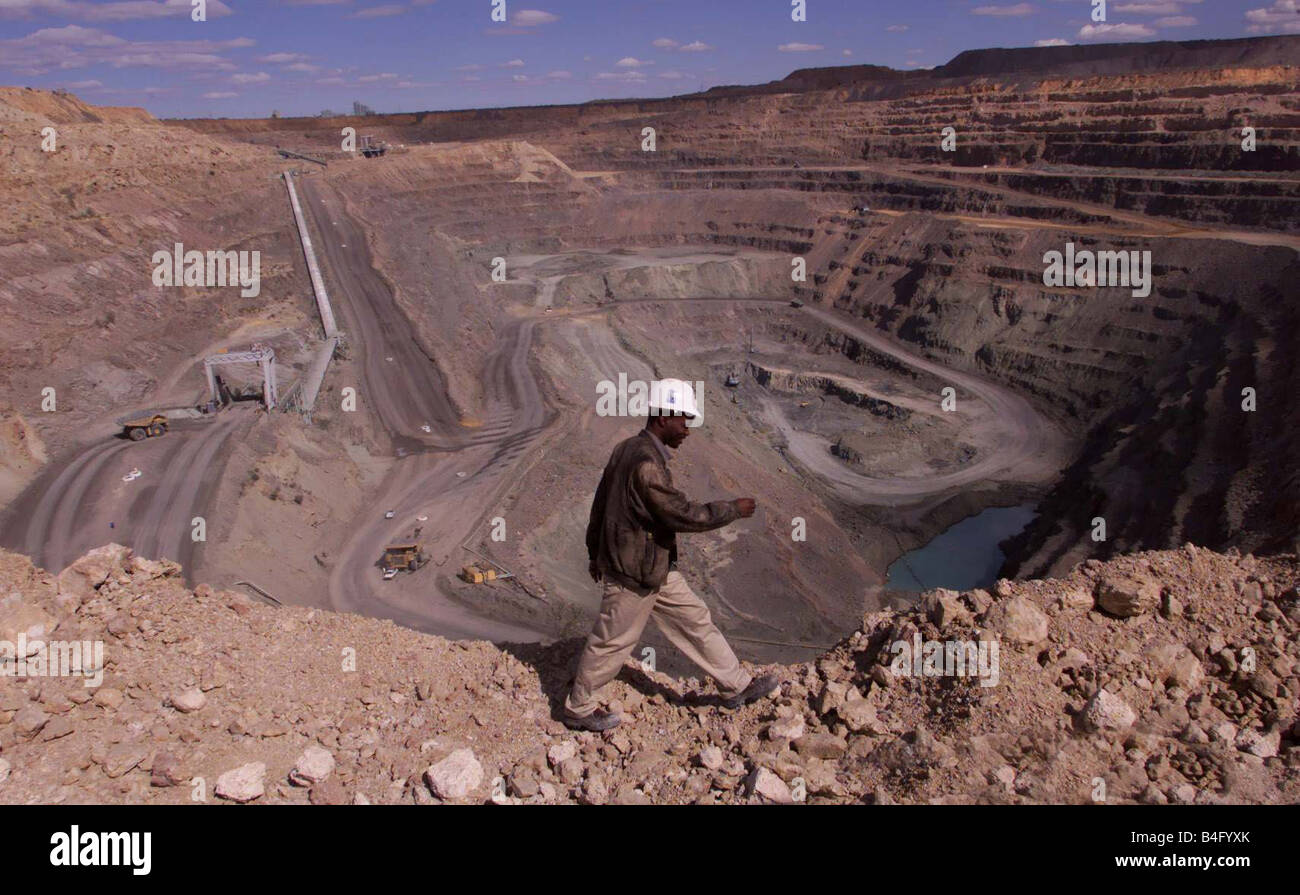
(1013, 695)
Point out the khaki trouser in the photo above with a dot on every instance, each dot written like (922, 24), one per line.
(678, 612)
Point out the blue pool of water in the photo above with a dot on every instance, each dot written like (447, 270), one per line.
(965, 556)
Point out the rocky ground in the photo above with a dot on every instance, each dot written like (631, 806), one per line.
(1163, 677)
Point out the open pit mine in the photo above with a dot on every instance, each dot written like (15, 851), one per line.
(1004, 351)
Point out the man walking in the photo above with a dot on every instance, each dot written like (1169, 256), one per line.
(632, 546)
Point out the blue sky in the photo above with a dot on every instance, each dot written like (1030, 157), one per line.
(301, 56)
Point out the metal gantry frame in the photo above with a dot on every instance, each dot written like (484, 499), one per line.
(258, 354)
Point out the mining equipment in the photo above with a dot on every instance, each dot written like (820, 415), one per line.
(138, 428)
(403, 558)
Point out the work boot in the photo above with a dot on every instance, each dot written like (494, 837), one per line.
(757, 689)
(597, 721)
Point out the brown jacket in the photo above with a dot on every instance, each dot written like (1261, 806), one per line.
(632, 534)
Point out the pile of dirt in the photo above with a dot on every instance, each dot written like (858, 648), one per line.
(61, 107)
(1158, 677)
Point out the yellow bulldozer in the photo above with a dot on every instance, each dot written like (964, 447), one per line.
(149, 425)
(474, 575)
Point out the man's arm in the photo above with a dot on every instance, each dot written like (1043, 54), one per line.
(597, 520)
(673, 509)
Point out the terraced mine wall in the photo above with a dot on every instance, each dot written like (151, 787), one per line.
(1170, 455)
(1160, 105)
(831, 386)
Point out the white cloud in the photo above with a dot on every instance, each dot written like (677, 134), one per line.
(696, 46)
(799, 48)
(1121, 31)
(120, 11)
(302, 66)
(665, 43)
(530, 18)
(513, 63)
(897, 29)
(244, 78)
(379, 12)
(1020, 9)
(1281, 16)
(276, 58)
(72, 35)
(75, 46)
(629, 76)
(846, 52)
(220, 94)
(631, 62)
(1052, 42)
(1166, 8)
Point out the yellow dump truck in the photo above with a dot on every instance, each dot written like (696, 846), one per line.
(404, 557)
(138, 428)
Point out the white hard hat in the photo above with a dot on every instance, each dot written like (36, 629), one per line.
(673, 396)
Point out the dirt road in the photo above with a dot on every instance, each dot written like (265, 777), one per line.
(400, 383)
(450, 474)
(83, 502)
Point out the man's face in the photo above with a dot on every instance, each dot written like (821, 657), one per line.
(673, 430)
